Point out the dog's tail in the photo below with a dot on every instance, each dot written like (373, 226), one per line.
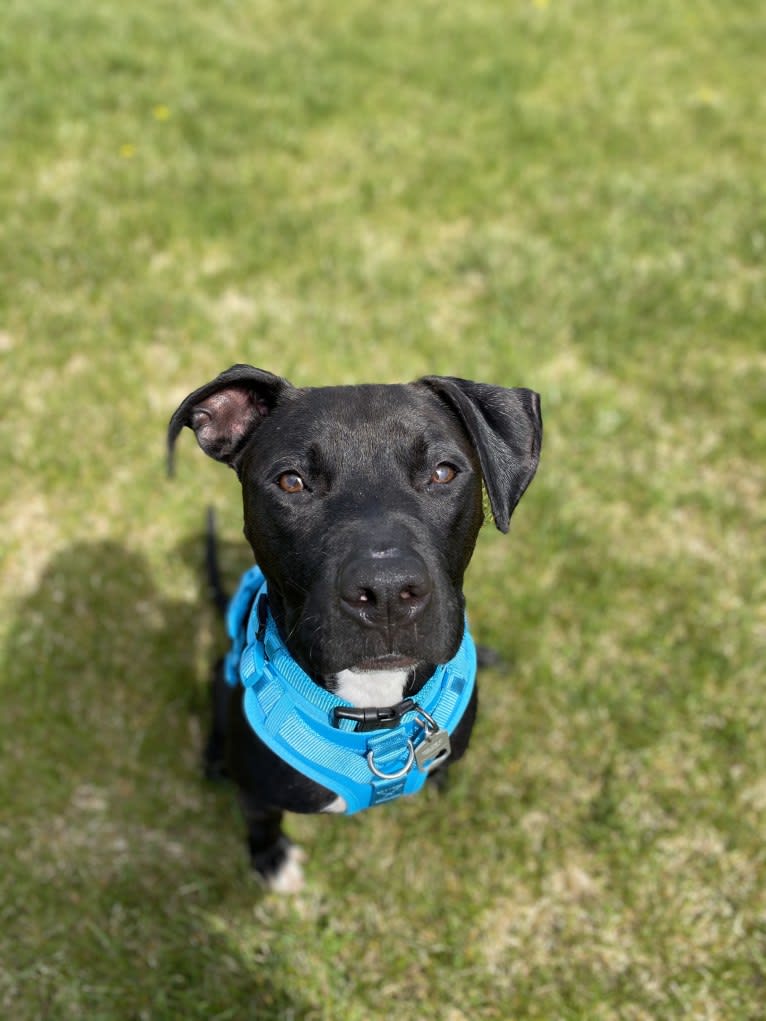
(214, 583)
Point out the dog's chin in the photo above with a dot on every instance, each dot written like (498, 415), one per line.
(374, 682)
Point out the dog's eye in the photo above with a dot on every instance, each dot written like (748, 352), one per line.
(291, 482)
(443, 473)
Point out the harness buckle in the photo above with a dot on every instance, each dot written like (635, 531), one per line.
(371, 717)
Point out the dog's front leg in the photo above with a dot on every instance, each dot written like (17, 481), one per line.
(276, 859)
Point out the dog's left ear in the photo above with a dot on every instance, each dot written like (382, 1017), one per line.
(506, 428)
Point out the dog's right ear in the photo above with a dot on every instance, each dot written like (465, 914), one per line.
(224, 412)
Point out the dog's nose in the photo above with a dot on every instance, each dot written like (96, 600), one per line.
(385, 589)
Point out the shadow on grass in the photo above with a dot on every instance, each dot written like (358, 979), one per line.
(126, 893)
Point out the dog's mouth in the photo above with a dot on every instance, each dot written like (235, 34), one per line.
(391, 661)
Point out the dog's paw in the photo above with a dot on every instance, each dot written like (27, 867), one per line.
(279, 868)
(289, 878)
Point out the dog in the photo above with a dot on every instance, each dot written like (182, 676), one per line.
(362, 505)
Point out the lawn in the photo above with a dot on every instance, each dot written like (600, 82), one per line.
(562, 194)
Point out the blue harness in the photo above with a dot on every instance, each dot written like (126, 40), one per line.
(314, 731)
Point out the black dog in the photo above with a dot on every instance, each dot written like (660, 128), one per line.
(362, 505)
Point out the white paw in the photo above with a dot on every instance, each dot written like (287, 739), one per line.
(336, 805)
(289, 877)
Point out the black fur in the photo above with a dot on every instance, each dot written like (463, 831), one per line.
(362, 505)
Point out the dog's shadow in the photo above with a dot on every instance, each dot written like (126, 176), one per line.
(128, 867)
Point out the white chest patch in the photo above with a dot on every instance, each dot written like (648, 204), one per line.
(364, 688)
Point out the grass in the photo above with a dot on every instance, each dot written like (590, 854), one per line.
(561, 194)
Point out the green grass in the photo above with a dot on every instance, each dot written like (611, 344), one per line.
(566, 195)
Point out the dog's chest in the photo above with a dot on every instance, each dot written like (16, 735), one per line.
(364, 689)
(372, 687)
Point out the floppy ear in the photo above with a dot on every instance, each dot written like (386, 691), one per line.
(224, 412)
(506, 428)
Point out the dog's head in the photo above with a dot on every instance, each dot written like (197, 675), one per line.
(362, 503)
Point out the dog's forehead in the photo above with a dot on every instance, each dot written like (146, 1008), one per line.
(359, 425)
(390, 410)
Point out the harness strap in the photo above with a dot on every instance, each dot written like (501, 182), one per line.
(294, 716)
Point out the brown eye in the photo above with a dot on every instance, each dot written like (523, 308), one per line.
(443, 473)
(290, 482)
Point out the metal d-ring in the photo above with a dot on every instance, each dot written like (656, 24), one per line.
(400, 773)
